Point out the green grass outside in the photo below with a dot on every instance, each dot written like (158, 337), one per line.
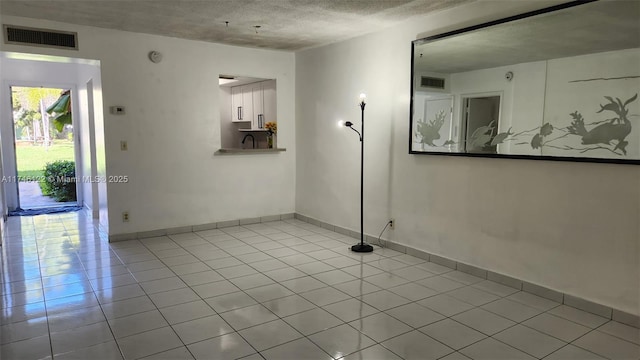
(33, 158)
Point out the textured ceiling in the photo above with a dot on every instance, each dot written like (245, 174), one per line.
(584, 29)
(285, 24)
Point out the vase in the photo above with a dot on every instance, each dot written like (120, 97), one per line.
(270, 141)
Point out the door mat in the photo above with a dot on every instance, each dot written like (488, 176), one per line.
(45, 210)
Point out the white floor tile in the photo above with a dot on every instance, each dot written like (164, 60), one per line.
(415, 315)
(270, 334)
(581, 317)
(202, 329)
(251, 281)
(324, 296)
(511, 310)
(301, 349)
(156, 286)
(149, 343)
(571, 352)
(350, 309)
(127, 307)
(412, 273)
(622, 331)
(106, 350)
(557, 327)
(452, 333)
(285, 273)
(357, 287)
(490, 349)
(483, 321)
(413, 291)
(384, 300)
(200, 278)
(225, 347)
(533, 301)
(417, 346)
(288, 305)
(64, 285)
(445, 305)
(248, 316)
(231, 301)
(34, 348)
(312, 321)
(373, 352)
(380, 327)
(473, 296)
(268, 292)
(180, 353)
(386, 280)
(530, 341)
(303, 284)
(334, 277)
(215, 289)
(134, 324)
(23, 330)
(188, 311)
(341, 340)
(173, 297)
(80, 337)
(608, 346)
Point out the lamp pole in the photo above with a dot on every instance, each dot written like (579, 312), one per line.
(362, 246)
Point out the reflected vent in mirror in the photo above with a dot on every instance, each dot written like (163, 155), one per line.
(40, 37)
(431, 82)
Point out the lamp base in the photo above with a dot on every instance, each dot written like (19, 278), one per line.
(362, 248)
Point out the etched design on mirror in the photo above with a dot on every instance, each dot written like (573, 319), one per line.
(608, 134)
(564, 79)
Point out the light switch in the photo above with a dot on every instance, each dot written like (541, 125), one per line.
(117, 110)
(124, 146)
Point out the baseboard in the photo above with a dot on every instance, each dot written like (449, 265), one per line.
(551, 294)
(195, 228)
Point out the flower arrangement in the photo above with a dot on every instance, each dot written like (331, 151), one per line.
(272, 127)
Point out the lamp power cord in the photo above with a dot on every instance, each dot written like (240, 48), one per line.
(381, 232)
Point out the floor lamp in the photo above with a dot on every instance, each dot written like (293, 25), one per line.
(362, 246)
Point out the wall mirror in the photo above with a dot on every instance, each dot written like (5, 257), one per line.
(562, 83)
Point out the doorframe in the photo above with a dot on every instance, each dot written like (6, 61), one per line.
(12, 192)
(463, 110)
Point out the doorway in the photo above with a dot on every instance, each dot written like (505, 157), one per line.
(45, 151)
(481, 120)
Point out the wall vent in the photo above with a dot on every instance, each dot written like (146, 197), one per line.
(431, 82)
(40, 37)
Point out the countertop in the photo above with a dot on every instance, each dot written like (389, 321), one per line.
(236, 151)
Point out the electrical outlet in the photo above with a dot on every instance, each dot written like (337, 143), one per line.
(392, 224)
(125, 216)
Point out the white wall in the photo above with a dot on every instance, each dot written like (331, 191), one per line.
(89, 85)
(568, 226)
(172, 126)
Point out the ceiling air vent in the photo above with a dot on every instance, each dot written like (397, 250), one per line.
(40, 37)
(431, 82)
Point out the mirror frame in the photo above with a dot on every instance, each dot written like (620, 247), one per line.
(441, 36)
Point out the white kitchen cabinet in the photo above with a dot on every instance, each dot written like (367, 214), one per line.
(269, 101)
(242, 103)
(257, 119)
(254, 103)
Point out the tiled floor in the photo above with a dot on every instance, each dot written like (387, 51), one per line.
(278, 290)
